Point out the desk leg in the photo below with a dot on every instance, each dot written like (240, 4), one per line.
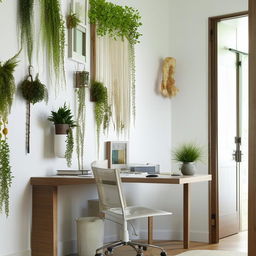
(150, 230)
(186, 215)
(44, 221)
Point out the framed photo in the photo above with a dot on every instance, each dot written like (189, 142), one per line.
(117, 154)
(77, 35)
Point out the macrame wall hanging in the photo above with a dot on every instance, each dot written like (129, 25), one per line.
(112, 68)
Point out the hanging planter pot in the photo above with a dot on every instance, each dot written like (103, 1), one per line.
(82, 79)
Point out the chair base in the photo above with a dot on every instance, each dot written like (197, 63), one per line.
(138, 247)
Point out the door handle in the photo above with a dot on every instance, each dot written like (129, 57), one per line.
(237, 156)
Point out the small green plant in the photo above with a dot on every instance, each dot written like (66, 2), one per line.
(62, 116)
(102, 109)
(72, 20)
(34, 91)
(188, 153)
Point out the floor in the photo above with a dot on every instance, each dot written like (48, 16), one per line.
(233, 243)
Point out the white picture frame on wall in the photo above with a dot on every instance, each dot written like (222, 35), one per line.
(77, 36)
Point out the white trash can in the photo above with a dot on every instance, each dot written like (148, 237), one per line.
(90, 235)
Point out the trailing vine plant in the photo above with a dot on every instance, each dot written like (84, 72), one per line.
(102, 110)
(54, 37)
(69, 147)
(7, 90)
(80, 129)
(118, 22)
(26, 25)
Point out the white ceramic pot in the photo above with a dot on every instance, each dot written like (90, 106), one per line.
(60, 145)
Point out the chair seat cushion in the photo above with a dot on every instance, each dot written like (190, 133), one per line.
(136, 212)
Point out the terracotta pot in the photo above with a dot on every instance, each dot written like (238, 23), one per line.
(61, 128)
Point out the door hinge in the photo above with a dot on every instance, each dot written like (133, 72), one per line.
(213, 220)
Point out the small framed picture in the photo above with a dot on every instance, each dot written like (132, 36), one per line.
(117, 154)
(77, 35)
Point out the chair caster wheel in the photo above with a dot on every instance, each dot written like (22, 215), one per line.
(99, 254)
(163, 254)
(145, 248)
(139, 254)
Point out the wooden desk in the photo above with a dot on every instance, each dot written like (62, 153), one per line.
(44, 206)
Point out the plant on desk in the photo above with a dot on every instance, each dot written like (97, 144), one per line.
(63, 121)
(188, 154)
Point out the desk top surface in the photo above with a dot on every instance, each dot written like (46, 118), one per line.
(78, 180)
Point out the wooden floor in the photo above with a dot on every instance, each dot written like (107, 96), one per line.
(236, 243)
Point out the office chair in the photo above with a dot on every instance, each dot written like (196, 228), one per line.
(113, 205)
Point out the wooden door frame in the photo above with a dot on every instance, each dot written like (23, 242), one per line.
(252, 130)
(213, 123)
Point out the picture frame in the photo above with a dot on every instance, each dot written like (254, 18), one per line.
(117, 154)
(77, 36)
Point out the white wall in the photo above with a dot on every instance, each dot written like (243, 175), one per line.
(189, 44)
(150, 140)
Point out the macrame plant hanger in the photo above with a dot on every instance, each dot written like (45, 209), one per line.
(30, 69)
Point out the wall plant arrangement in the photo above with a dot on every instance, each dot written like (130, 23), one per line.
(102, 110)
(121, 24)
(7, 90)
(63, 121)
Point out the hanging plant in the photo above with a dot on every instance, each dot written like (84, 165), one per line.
(26, 25)
(5, 170)
(33, 90)
(102, 110)
(7, 86)
(54, 36)
(63, 121)
(72, 20)
(80, 129)
(7, 90)
(118, 22)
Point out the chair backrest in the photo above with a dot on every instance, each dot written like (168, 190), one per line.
(109, 187)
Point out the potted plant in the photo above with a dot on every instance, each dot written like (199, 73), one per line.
(188, 154)
(63, 121)
(102, 110)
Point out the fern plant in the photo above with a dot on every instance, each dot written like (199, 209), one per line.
(26, 25)
(72, 20)
(7, 86)
(54, 37)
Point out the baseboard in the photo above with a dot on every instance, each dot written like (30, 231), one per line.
(195, 236)
(22, 253)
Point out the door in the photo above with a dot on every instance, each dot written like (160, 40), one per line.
(230, 102)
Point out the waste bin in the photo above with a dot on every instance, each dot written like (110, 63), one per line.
(90, 235)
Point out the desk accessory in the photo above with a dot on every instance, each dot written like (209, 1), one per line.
(149, 168)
